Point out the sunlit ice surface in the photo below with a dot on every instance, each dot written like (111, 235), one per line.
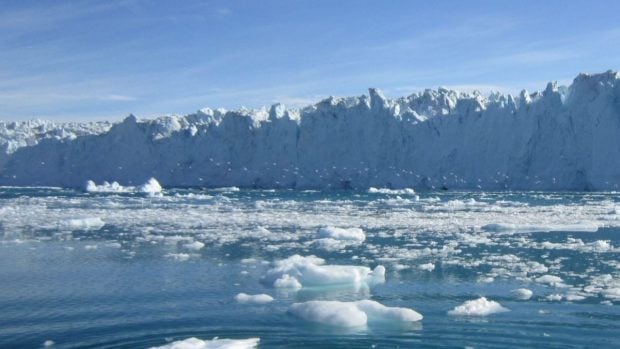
(484, 269)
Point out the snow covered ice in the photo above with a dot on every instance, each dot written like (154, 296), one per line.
(478, 307)
(299, 271)
(352, 314)
(245, 298)
(563, 138)
(195, 343)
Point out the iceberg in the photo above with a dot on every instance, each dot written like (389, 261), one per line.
(298, 271)
(522, 293)
(478, 307)
(244, 298)
(195, 343)
(352, 314)
(562, 138)
(151, 187)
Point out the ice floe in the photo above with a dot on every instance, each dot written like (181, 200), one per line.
(551, 280)
(312, 271)
(522, 293)
(404, 191)
(88, 223)
(352, 314)
(244, 298)
(216, 343)
(427, 266)
(181, 257)
(342, 234)
(335, 239)
(194, 246)
(530, 228)
(478, 307)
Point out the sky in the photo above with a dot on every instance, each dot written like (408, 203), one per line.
(102, 60)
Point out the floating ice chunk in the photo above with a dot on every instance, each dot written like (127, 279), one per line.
(478, 307)
(181, 257)
(215, 343)
(427, 266)
(573, 297)
(349, 234)
(522, 293)
(311, 271)
(379, 312)
(611, 293)
(330, 244)
(334, 313)
(151, 187)
(244, 298)
(106, 187)
(352, 314)
(579, 245)
(287, 281)
(226, 189)
(590, 227)
(335, 239)
(90, 247)
(194, 246)
(486, 280)
(552, 280)
(48, 343)
(554, 297)
(89, 223)
(601, 246)
(405, 191)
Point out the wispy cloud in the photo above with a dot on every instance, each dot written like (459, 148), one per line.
(536, 56)
(117, 98)
(44, 15)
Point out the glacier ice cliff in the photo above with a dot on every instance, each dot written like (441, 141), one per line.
(563, 138)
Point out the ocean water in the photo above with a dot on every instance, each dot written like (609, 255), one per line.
(124, 270)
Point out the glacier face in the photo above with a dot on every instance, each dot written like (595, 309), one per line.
(563, 138)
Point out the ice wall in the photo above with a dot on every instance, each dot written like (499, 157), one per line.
(558, 139)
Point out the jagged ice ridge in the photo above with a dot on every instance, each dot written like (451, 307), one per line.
(564, 138)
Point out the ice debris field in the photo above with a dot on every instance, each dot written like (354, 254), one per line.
(236, 268)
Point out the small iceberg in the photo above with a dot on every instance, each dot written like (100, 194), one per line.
(405, 191)
(244, 298)
(478, 307)
(349, 234)
(299, 271)
(151, 187)
(336, 239)
(522, 293)
(215, 343)
(87, 223)
(351, 314)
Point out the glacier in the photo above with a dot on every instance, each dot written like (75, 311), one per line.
(563, 138)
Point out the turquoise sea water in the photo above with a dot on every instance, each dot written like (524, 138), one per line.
(120, 271)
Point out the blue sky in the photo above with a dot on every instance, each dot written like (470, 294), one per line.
(91, 60)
